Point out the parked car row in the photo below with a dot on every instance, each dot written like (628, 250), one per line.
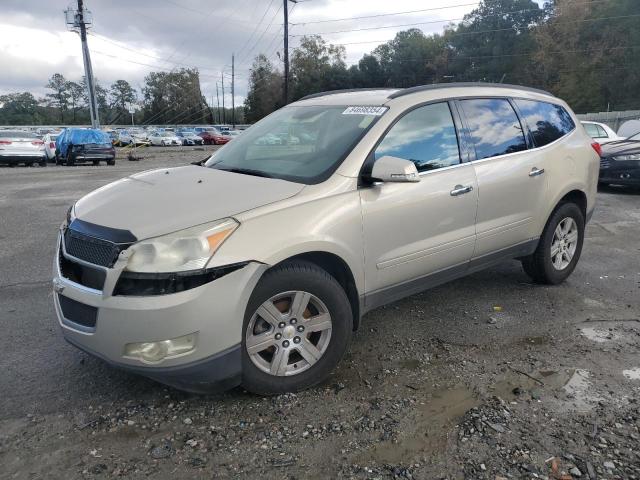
(166, 137)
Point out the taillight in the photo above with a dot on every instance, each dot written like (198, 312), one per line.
(52, 145)
(5, 142)
(37, 142)
(597, 147)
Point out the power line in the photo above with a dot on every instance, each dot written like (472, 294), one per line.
(387, 14)
(476, 32)
(451, 20)
(406, 12)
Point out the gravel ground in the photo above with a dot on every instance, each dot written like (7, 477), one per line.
(487, 377)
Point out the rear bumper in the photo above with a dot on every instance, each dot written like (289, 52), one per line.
(620, 173)
(17, 157)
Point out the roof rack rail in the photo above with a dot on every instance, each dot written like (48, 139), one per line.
(436, 86)
(346, 90)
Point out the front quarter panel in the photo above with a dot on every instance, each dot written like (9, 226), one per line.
(330, 224)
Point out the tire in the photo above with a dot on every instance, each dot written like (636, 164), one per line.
(70, 161)
(43, 162)
(321, 294)
(162, 144)
(28, 164)
(540, 265)
(111, 162)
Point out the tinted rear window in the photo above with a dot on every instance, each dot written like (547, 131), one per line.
(494, 127)
(547, 122)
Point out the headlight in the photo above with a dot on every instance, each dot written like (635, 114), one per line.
(624, 158)
(70, 216)
(181, 251)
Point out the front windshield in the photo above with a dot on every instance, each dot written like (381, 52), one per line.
(300, 144)
(166, 134)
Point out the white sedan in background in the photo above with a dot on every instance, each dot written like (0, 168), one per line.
(600, 132)
(50, 145)
(164, 139)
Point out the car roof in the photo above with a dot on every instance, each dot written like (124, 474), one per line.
(384, 96)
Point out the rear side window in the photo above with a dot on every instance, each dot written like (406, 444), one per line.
(547, 122)
(426, 136)
(494, 127)
(595, 131)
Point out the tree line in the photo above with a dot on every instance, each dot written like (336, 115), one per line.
(583, 51)
(165, 98)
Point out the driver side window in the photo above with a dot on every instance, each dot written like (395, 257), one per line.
(426, 136)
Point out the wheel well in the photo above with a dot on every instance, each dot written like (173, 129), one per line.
(579, 198)
(338, 269)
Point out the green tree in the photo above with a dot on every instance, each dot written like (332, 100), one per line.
(122, 93)
(317, 66)
(59, 98)
(174, 97)
(265, 89)
(19, 109)
(75, 95)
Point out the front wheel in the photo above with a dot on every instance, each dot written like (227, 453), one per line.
(296, 328)
(559, 247)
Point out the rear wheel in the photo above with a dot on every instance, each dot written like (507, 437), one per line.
(43, 162)
(559, 247)
(297, 327)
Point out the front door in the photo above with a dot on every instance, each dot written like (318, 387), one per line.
(412, 230)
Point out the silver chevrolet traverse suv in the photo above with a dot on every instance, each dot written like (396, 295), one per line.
(255, 267)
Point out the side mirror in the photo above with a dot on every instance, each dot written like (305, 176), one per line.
(394, 170)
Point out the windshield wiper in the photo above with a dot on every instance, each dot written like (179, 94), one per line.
(247, 171)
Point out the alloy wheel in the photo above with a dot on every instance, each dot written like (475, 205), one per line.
(564, 243)
(288, 333)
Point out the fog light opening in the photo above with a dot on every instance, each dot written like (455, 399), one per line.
(156, 352)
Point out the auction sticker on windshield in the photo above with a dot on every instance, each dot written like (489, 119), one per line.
(364, 110)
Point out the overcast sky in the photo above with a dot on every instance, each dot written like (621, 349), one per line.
(131, 38)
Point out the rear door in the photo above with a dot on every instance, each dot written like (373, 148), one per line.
(511, 181)
(412, 230)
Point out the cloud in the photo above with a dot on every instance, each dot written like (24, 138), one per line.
(133, 38)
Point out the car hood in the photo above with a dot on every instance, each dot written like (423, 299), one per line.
(162, 201)
(620, 147)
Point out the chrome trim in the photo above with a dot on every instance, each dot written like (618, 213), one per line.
(460, 190)
(461, 164)
(536, 172)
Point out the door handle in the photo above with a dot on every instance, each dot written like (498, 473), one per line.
(460, 190)
(536, 172)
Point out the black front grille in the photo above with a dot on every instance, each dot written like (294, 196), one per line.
(605, 163)
(82, 274)
(90, 249)
(77, 312)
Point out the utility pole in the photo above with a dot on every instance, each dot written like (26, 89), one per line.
(286, 52)
(224, 115)
(218, 99)
(233, 92)
(78, 20)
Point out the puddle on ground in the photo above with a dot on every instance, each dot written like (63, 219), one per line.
(632, 374)
(544, 379)
(580, 391)
(599, 335)
(429, 430)
(410, 364)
